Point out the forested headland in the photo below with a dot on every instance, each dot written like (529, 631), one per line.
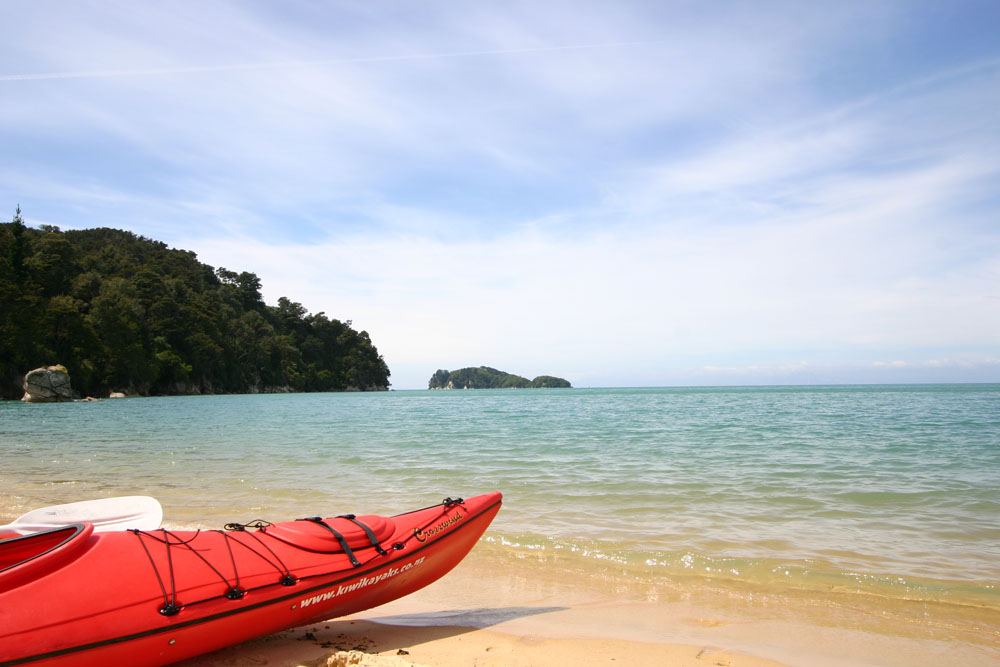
(127, 313)
(485, 377)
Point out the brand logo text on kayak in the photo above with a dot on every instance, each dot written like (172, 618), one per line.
(360, 583)
(423, 533)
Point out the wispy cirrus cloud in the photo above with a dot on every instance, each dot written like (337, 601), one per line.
(623, 193)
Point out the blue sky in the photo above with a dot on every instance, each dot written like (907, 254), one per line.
(627, 193)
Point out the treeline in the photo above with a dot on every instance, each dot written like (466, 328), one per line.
(485, 377)
(126, 313)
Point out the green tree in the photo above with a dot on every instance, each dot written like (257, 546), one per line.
(550, 382)
(69, 336)
(125, 312)
(51, 264)
(117, 318)
(249, 289)
(18, 246)
(439, 380)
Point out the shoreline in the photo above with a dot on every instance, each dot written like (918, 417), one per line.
(511, 606)
(515, 605)
(532, 614)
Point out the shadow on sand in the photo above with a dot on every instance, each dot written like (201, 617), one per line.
(309, 644)
(478, 618)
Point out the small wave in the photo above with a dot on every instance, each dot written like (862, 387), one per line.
(633, 565)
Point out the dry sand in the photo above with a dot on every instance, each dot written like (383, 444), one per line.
(366, 643)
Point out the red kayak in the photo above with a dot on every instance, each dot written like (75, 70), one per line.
(70, 596)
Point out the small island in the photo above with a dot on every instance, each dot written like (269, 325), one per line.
(485, 377)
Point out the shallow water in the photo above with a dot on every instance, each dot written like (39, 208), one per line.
(885, 491)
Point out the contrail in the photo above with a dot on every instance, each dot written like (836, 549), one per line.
(104, 74)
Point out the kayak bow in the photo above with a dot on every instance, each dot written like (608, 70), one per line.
(71, 596)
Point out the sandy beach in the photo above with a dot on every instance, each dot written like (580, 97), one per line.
(532, 614)
(367, 643)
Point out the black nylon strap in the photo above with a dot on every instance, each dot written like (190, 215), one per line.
(340, 538)
(319, 583)
(368, 531)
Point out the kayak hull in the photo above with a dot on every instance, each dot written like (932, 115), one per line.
(156, 597)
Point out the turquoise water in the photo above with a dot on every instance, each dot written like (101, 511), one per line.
(887, 489)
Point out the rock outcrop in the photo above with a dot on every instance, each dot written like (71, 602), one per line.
(47, 385)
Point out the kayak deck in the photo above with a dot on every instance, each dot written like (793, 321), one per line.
(154, 597)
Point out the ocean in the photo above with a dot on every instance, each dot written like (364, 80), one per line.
(874, 497)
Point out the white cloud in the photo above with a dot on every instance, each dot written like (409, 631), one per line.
(649, 302)
(626, 193)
